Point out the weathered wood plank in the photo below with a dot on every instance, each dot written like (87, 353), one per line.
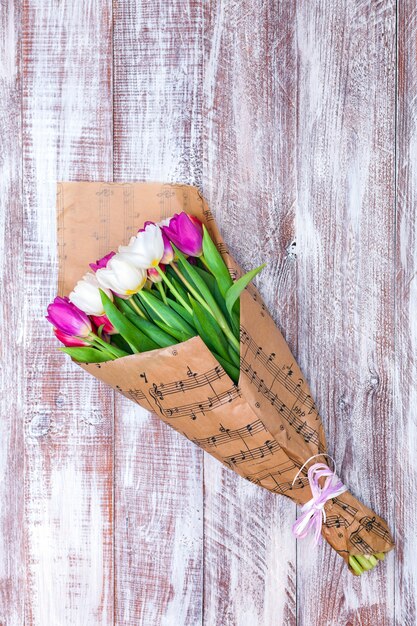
(249, 180)
(67, 126)
(158, 474)
(11, 321)
(406, 330)
(345, 243)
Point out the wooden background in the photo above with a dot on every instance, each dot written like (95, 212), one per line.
(297, 120)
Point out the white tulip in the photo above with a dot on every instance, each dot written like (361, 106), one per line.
(86, 295)
(146, 249)
(121, 276)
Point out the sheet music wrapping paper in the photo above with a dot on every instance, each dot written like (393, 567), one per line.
(264, 428)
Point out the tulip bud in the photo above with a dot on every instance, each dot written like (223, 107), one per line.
(103, 320)
(154, 276)
(69, 340)
(121, 276)
(146, 249)
(67, 318)
(102, 262)
(86, 295)
(185, 232)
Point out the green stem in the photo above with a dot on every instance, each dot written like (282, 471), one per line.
(204, 262)
(116, 352)
(174, 290)
(136, 308)
(217, 314)
(162, 292)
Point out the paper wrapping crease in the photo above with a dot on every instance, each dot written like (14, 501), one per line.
(265, 427)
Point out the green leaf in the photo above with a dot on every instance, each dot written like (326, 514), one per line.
(121, 343)
(100, 330)
(178, 308)
(232, 371)
(236, 289)
(215, 263)
(209, 330)
(134, 337)
(151, 330)
(166, 314)
(178, 335)
(87, 355)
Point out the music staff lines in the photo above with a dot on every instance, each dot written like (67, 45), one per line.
(301, 427)
(226, 435)
(194, 381)
(194, 408)
(269, 448)
(278, 374)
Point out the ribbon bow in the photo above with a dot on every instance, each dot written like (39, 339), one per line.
(313, 514)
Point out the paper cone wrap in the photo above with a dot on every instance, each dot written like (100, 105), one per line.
(266, 427)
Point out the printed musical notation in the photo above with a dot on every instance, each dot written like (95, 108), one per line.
(269, 448)
(285, 377)
(226, 435)
(371, 526)
(194, 408)
(346, 507)
(336, 521)
(194, 381)
(301, 427)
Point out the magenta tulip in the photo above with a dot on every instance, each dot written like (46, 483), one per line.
(185, 232)
(98, 265)
(66, 317)
(69, 340)
(168, 255)
(108, 327)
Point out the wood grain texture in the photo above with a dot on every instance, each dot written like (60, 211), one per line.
(405, 389)
(249, 181)
(158, 474)
(284, 114)
(67, 126)
(345, 241)
(11, 322)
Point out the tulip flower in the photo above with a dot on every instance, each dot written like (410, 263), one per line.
(102, 262)
(146, 249)
(86, 295)
(121, 276)
(103, 320)
(185, 232)
(69, 340)
(154, 276)
(68, 318)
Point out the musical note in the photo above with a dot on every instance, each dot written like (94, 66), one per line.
(194, 381)
(269, 448)
(227, 435)
(192, 409)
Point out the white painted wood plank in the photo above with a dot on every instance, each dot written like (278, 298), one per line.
(249, 182)
(345, 242)
(158, 473)
(11, 322)
(67, 124)
(405, 390)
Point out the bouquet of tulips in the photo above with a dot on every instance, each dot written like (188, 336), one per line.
(171, 322)
(167, 285)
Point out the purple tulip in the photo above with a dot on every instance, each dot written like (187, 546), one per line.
(168, 256)
(98, 265)
(66, 317)
(186, 233)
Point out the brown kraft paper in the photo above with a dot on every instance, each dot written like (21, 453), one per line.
(266, 427)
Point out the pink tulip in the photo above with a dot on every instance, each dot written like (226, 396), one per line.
(69, 340)
(98, 265)
(108, 327)
(186, 233)
(66, 317)
(153, 274)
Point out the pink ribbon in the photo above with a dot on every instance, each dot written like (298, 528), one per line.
(312, 513)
